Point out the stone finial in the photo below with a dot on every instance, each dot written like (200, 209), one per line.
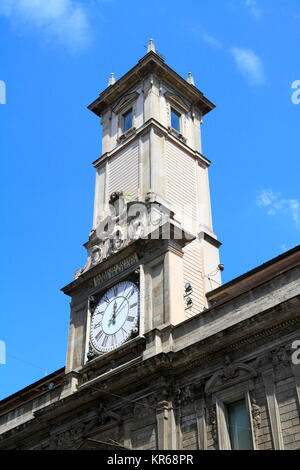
(190, 79)
(151, 46)
(112, 79)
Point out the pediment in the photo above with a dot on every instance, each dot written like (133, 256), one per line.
(177, 101)
(229, 375)
(125, 101)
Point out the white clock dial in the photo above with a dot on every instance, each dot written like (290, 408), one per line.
(115, 316)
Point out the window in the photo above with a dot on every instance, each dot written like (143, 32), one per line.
(175, 120)
(127, 120)
(239, 426)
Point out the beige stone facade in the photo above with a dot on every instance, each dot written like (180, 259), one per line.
(199, 347)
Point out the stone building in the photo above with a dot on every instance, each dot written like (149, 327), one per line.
(160, 354)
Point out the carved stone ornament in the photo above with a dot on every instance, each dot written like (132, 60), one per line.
(93, 302)
(256, 415)
(107, 417)
(96, 255)
(212, 421)
(91, 352)
(70, 438)
(115, 196)
(184, 395)
(229, 369)
(117, 240)
(126, 221)
(231, 372)
(281, 356)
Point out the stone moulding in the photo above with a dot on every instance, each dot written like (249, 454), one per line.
(230, 374)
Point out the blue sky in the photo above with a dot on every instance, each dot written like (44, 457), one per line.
(56, 57)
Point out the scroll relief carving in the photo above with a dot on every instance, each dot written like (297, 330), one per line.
(125, 222)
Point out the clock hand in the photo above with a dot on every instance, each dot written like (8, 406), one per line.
(118, 311)
(113, 314)
(114, 309)
(125, 298)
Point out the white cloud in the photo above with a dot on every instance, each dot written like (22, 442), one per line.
(63, 21)
(275, 203)
(284, 247)
(254, 9)
(249, 64)
(212, 41)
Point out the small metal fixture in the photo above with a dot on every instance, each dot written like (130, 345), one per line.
(189, 302)
(221, 267)
(188, 288)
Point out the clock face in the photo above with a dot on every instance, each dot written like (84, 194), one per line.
(115, 316)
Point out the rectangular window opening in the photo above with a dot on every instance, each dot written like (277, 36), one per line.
(175, 120)
(239, 426)
(127, 120)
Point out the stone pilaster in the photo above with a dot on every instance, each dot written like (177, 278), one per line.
(273, 410)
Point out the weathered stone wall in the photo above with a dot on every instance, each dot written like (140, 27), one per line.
(175, 397)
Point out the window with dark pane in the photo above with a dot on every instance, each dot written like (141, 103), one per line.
(127, 120)
(175, 120)
(239, 426)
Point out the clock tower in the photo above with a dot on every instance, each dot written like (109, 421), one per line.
(152, 254)
(160, 356)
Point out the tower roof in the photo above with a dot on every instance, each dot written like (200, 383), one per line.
(150, 63)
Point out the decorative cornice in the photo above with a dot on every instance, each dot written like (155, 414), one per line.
(150, 63)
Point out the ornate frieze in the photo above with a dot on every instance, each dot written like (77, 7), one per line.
(124, 264)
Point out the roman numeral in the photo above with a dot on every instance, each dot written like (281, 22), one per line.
(130, 294)
(99, 312)
(133, 305)
(129, 318)
(115, 291)
(113, 340)
(97, 325)
(124, 332)
(106, 299)
(104, 341)
(98, 336)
